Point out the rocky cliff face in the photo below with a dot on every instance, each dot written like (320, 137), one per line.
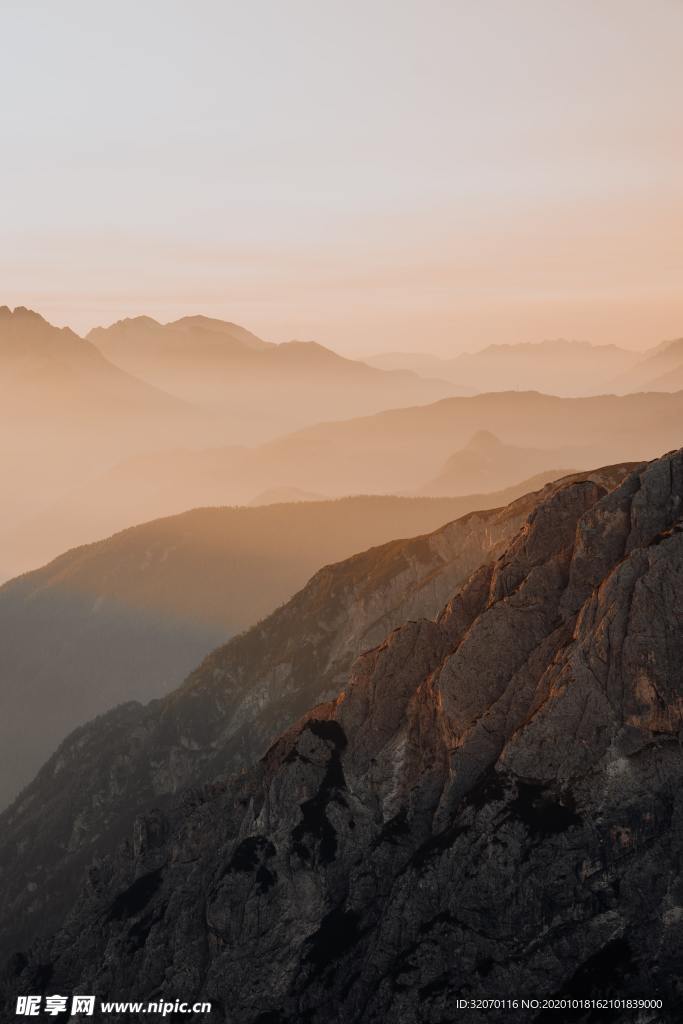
(86, 797)
(127, 618)
(491, 806)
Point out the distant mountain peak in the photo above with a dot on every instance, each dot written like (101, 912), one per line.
(24, 330)
(484, 439)
(663, 346)
(546, 346)
(207, 322)
(22, 313)
(145, 331)
(136, 321)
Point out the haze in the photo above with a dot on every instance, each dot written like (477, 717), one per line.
(388, 176)
(341, 546)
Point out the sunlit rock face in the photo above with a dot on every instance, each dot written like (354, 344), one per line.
(491, 804)
(230, 709)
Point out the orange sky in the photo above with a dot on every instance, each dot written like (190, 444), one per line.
(415, 175)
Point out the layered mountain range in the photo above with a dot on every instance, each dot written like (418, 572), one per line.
(661, 369)
(559, 367)
(487, 801)
(485, 461)
(66, 412)
(257, 389)
(141, 420)
(398, 451)
(57, 366)
(70, 413)
(128, 617)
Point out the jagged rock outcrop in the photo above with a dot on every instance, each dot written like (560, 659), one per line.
(490, 807)
(86, 797)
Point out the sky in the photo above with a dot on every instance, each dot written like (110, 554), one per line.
(375, 174)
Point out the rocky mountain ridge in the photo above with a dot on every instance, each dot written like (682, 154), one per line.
(138, 611)
(520, 752)
(86, 796)
(491, 805)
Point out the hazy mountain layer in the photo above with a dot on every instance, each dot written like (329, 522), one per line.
(485, 461)
(491, 805)
(672, 380)
(258, 389)
(660, 370)
(396, 451)
(567, 368)
(88, 794)
(278, 495)
(128, 617)
(66, 414)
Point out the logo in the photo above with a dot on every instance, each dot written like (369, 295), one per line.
(54, 1006)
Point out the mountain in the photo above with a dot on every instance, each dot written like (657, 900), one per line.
(400, 447)
(52, 375)
(422, 363)
(660, 370)
(232, 707)
(67, 412)
(490, 806)
(259, 389)
(393, 452)
(486, 462)
(557, 367)
(364, 862)
(152, 345)
(128, 617)
(672, 380)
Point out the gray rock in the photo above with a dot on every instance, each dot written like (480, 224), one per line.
(88, 794)
(490, 807)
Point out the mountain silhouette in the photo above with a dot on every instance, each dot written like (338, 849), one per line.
(257, 389)
(67, 412)
(660, 370)
(486, 462)
(556, 367)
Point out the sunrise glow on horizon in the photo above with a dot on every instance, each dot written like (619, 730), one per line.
(382, 176)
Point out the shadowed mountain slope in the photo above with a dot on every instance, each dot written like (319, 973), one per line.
(229, 710)
(491, 805)
(128, 617)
